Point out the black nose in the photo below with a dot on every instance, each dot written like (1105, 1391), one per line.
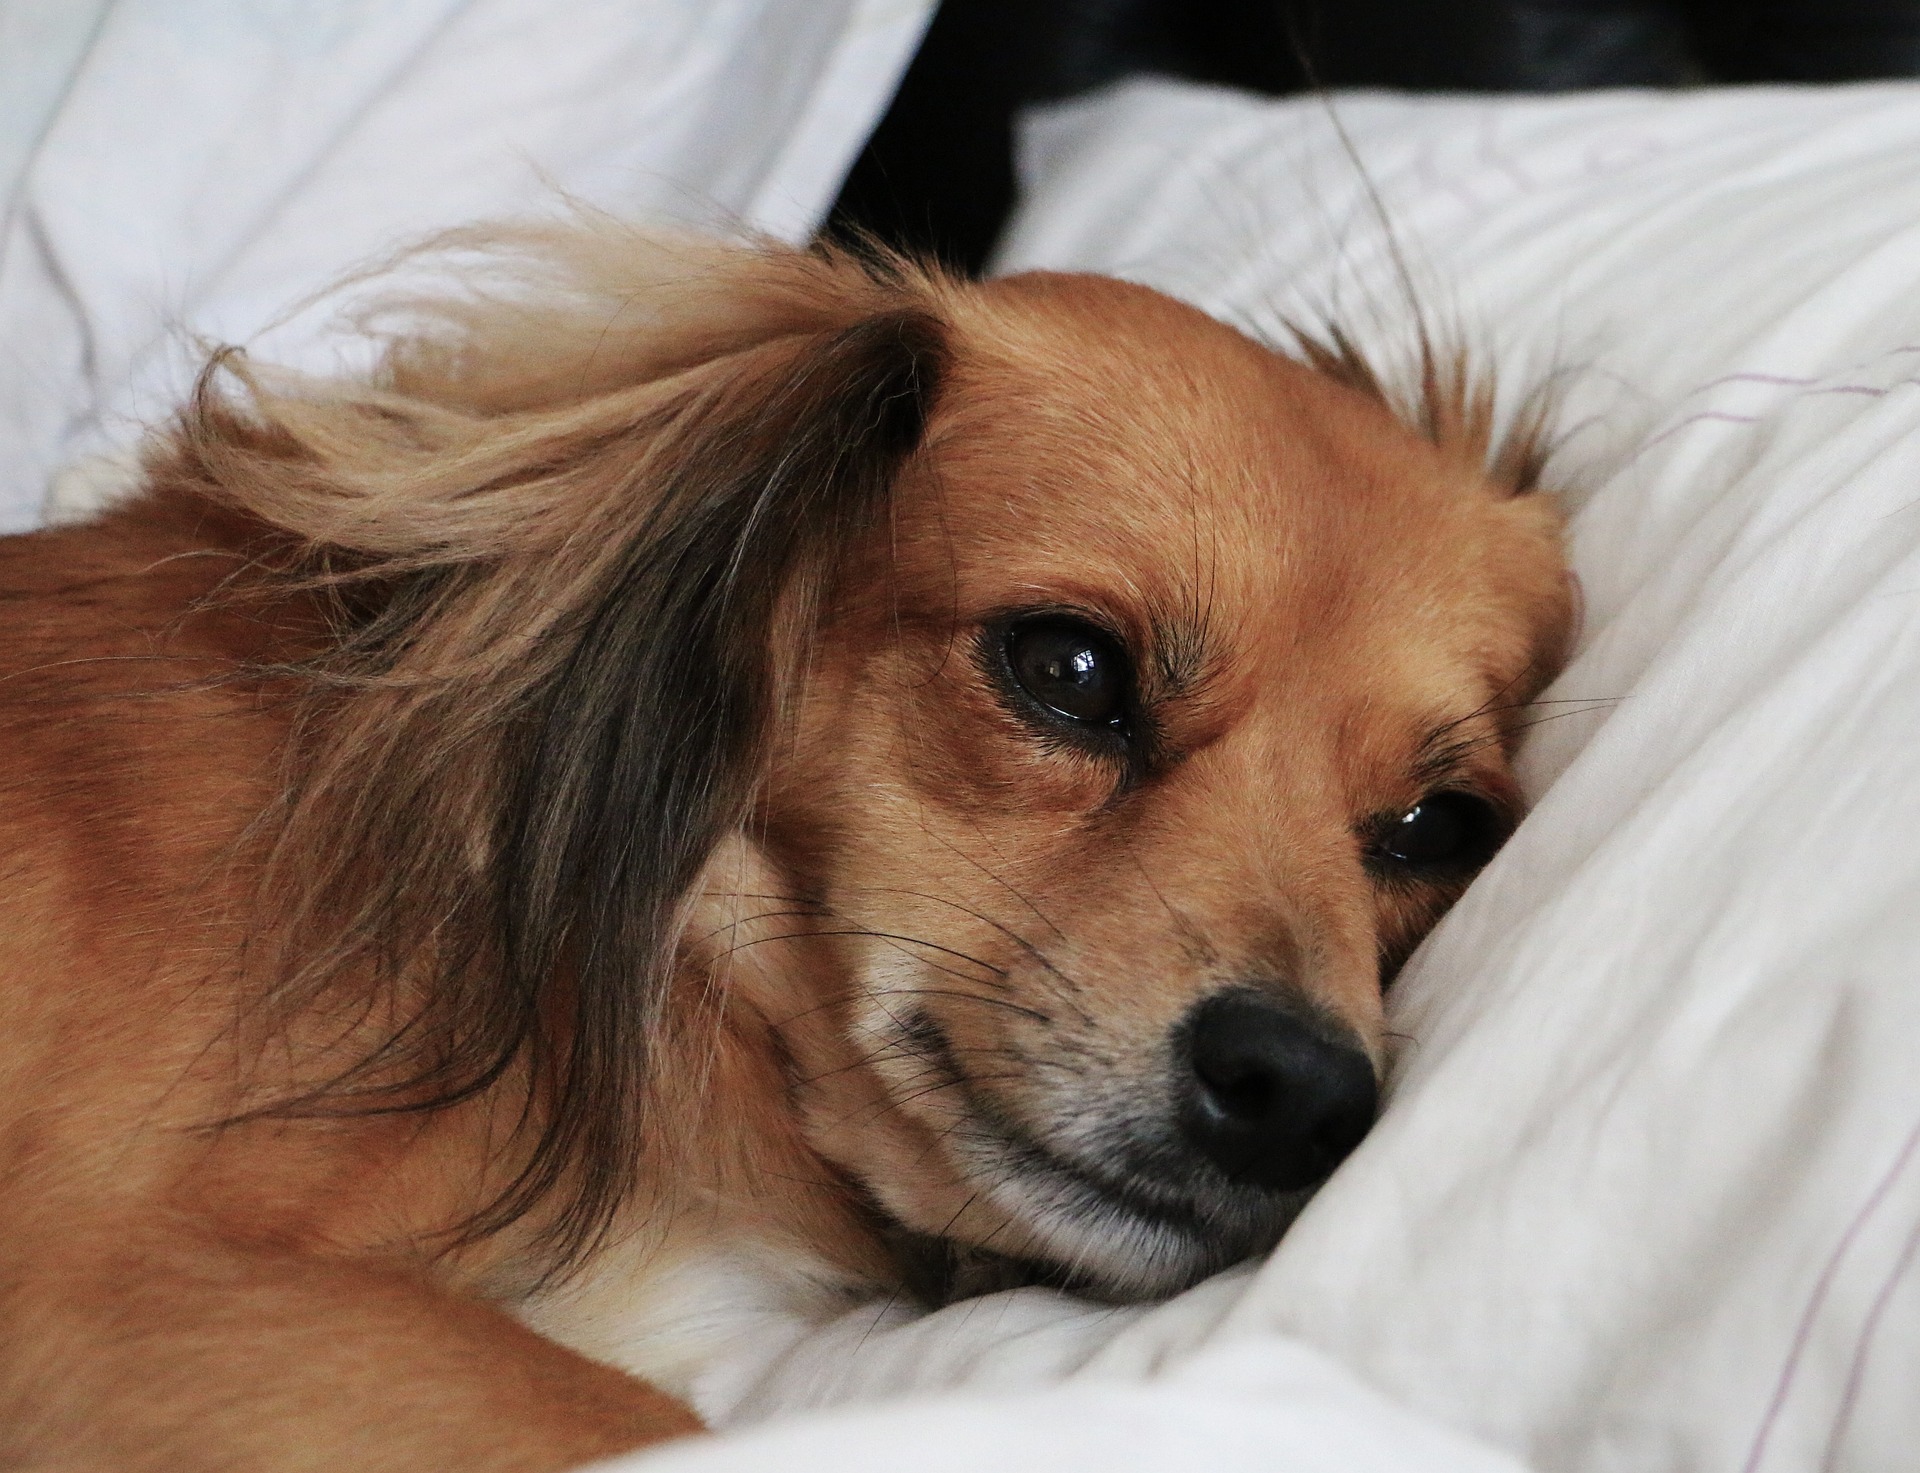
(1277, 1097)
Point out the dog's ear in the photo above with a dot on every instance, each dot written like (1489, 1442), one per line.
(645, 745)
(1450, 401)
(1445, 400)
(558, 626)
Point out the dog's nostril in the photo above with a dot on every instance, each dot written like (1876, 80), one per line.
(1276, 1098)
(1238, 1085)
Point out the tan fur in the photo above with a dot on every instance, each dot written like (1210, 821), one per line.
(247, 1228)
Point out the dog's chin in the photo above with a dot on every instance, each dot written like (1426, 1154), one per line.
(1117, 1237)
(973, 1198)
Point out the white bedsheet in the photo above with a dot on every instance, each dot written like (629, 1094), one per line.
(1646, 1195)
(173, 170)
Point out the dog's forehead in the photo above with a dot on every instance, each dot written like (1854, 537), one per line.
(1103, 442)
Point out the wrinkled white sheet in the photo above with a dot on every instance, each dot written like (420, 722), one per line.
(1646, 1193)
(182, 169)
(1249, 1406)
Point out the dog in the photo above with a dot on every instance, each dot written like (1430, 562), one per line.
(717, 776)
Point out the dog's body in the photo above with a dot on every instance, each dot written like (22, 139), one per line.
(908, 737)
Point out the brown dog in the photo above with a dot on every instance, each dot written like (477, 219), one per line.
(719, 769)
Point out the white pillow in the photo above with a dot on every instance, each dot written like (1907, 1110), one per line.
(1647, 1191)
(172, 168)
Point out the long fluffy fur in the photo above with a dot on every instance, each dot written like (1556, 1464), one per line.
(554, 541)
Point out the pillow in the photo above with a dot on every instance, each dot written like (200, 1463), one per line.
(173, 169)
(1646, 1193)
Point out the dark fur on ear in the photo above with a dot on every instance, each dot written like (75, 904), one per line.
(645, 746)
(560, 576)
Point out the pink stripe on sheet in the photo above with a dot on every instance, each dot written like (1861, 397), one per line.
(1803, 1333)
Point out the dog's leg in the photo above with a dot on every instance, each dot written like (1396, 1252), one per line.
(192, 1356)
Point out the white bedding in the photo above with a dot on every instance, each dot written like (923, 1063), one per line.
(1646, 1195)
(182, 169)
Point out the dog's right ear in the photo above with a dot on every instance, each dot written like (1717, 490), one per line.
(1446, 398)
(563, 594)
(649, 742)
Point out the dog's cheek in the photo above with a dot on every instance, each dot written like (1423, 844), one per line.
(1539, 594)
(1405, 913)
(963, 751)
(897, 702)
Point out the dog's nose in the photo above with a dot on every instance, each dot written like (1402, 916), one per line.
(1276, 1098)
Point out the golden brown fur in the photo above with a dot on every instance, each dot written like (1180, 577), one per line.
(554, 802)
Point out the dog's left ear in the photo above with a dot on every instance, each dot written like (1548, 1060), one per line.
(569, 555)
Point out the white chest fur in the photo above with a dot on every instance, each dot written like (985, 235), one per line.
(691, 1313)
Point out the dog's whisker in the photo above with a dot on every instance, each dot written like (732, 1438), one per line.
(974, 997)
(742, 922)
(986, 870)
(894, 939)
(987, 920)
(1032, 950)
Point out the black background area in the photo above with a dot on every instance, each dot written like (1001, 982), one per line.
(937, 176)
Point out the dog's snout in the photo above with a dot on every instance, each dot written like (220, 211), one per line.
(1274, 1098)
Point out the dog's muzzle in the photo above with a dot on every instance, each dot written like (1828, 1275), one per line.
(1141, 1182)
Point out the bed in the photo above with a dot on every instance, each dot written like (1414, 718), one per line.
(1646, 1193)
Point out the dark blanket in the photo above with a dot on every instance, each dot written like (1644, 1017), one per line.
(937, 175)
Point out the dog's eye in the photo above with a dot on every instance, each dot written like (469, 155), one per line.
(1071, 668)
(1443, 831)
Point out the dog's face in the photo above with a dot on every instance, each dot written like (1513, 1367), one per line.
(1168, 713)
(1111, 704)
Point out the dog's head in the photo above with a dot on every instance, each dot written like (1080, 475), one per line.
(1110, 703)
(1169, 708)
